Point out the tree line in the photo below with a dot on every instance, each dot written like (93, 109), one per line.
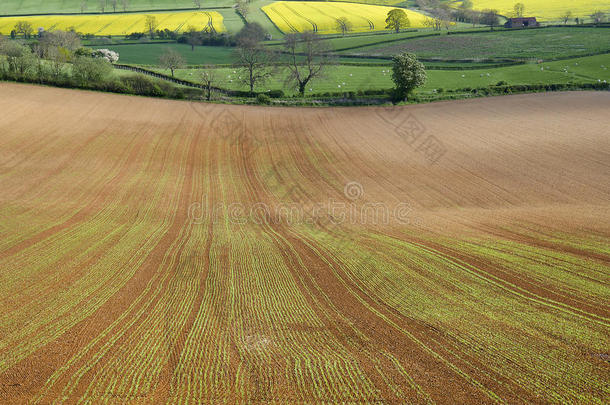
(57, 58)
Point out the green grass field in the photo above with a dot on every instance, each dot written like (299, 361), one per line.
(353, 78)
(541, 44)
(148, 54)
(561, 42)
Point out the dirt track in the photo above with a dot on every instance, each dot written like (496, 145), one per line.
(161, 251)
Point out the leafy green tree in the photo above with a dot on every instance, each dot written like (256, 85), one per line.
(91, 70)
(397, 20)
(24, 28)
(251, 32)
(19, 57)
(407, 74)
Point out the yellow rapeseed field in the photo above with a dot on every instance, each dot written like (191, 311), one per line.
(546, 10)
(117, 24)
(299, 16)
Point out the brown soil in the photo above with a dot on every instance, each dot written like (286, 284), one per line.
(146, 255)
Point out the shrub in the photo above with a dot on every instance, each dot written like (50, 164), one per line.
(135, 35)
(276, 93)
(87, 71)
(263, 99)
(141, 85)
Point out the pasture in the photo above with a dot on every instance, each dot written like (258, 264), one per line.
(321, 17)
(118, 24)
(148, 54)
(345, 78)
(147, 253)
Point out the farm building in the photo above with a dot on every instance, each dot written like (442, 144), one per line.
(521, 22)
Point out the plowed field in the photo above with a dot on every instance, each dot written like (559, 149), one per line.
(159, 251)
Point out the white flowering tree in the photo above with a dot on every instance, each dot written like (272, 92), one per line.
(110, 56)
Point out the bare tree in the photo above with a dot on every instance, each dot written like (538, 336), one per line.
(566, 16)
(83, 6)
(114, 4)
(519, 9)
(243, 8)
(125, 4)
(171, 60)
(463, 11)
(308, 57)
(439, 20)
(474, 17)
(193, 37)
(490, 18)
(68, 40)
(343, 25)
(151, 25)
(598, 16)
(59, 57)
(256, 64)
(208, 78)
(197, 3)
(102, 5)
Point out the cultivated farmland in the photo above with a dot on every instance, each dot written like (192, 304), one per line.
(118, 24)
(93, 6)
(320, 17)
(546, 9)
(157, 251)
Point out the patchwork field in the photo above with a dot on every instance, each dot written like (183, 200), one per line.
(118, 24)
(546, 9)
(321, 17)
(536, 44)
(159, 251)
